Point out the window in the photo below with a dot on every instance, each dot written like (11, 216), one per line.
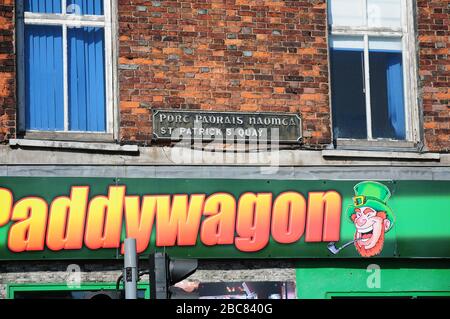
(372, 70)
(65, 71)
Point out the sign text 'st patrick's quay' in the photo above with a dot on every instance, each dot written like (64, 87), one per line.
(205, 125)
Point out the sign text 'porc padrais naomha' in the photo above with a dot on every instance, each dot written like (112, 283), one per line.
(72, 221)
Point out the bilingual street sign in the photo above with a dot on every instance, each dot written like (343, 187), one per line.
(175, 125)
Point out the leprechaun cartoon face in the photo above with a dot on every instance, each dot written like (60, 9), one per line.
(372, 217)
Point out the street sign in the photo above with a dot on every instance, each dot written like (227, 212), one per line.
(177, 125)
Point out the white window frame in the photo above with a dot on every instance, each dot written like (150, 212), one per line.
(66, 20)
(407, 34)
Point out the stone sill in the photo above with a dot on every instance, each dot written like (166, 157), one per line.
(94, 146)
(382, 155)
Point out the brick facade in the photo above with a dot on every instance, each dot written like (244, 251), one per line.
(224, 55)
(253, 55)
(434, 65)
(7, 71)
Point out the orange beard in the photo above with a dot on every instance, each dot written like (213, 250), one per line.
(372, 251)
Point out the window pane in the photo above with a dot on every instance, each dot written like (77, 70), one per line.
(85, 7)
(349, 106)
(86, 79)
(44, 78)
(384, 13)
(387, 95)
(347, 42)
(385, 44)
(43, 6)
(346, 12)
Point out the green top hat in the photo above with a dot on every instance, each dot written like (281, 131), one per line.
(374, 195)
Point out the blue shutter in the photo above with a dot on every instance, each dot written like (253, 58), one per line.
(86, 72)
(44, 78)
(43, 6)
(396, 100)
(87, 7)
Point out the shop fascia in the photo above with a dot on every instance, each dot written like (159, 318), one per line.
(248, 222)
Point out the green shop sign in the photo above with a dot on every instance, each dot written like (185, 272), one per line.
(89, 218)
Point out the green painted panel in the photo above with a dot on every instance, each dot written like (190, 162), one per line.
(12, 289)
(318, 279)
(421, 208)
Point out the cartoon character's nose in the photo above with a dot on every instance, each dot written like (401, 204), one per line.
(361, 221)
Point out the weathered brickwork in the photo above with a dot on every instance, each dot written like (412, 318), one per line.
(434, 61)
(240, 55)
(252, 55)
(7, 71)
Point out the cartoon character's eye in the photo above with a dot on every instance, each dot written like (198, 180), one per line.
(370, 212)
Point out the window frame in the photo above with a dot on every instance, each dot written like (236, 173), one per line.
(107, 21)
(409, 55)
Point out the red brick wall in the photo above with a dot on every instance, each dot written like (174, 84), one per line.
(243, 55)
(434, 65)
(7, 71)
(240, 55)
